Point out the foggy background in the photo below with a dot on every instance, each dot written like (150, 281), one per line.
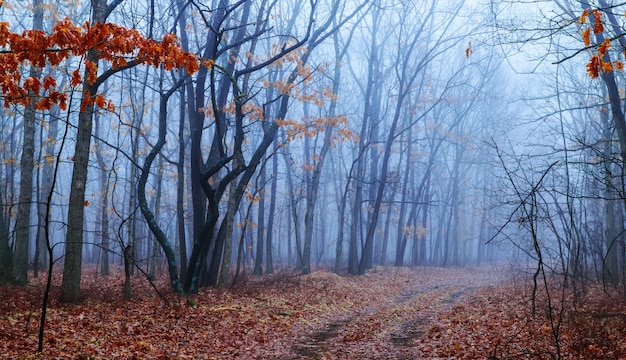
(439, 133)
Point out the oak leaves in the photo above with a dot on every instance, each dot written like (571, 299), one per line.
(592, 21)
(112, 43)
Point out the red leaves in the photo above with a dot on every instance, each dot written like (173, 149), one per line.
(598, 27)
(76, 78)
(111, 42)
(600, 60)
(92, 72)
(386, 314)
(593, 67)
(586, 36)
(602, 49)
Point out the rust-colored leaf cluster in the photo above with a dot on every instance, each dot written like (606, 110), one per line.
(112, 43)
(600, 60)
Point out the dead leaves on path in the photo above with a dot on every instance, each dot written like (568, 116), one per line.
(389, 313)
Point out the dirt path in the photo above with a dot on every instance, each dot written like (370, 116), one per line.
(395, 329)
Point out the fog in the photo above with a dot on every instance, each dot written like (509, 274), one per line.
(335, 135)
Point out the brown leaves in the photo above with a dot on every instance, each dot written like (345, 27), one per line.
(586, 35)
(110, 42)
(600, 59)
(389, 313)
(263, 318)
(496, 322)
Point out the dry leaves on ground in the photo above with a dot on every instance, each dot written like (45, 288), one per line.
(389, 313)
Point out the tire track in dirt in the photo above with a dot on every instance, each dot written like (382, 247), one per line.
(416, 328)
(389, 331)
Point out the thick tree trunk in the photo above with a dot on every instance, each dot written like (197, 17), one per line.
(22, 222)
(619, 120)
(70, 286)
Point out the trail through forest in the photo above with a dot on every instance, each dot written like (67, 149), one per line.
(393, 327)
(388, 313)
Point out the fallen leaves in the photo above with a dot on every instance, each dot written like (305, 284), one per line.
(389, 313)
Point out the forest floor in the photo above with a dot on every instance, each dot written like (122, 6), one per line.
(389, 313)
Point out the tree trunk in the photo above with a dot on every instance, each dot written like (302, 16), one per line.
(6, 255)
(150, 217)
(610, 264)
(104, 205)
(293, 206)
(70, 286)
(260, 249)
(153, 255)
(180, 191)
(228, 222)
(27, 165)
(269, 259)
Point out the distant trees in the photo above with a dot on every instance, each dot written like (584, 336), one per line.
(579, 207)
(317, 131)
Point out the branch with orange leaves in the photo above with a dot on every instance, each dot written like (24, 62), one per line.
(600, 61)
(119, 46)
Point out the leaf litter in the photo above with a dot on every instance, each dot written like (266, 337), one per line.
(389, 313)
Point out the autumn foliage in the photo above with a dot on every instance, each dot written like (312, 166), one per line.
(112, 43)
(389, 313)
(592, 22)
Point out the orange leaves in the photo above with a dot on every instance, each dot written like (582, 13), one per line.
(583, 16)
(32, 84)
(76, 78)
(586, 36)
(49, 82)
(112, 43)
(92, 72)
(602, 49)
(597, 63)
(468, 50)
(208, 63)
(598, 27)
(600, 61)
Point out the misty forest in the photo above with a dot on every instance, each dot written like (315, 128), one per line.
(312, 179)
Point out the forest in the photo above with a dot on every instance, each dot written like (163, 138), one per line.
(312, 179)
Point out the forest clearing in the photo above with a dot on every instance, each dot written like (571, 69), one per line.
(389, 313)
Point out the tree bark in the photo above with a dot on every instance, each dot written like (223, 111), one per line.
(6, 255)
(180, 192)
(269, 257)
(27, 165)
(70, 286)
(104, 208)
(260, 249)
(151, 219)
